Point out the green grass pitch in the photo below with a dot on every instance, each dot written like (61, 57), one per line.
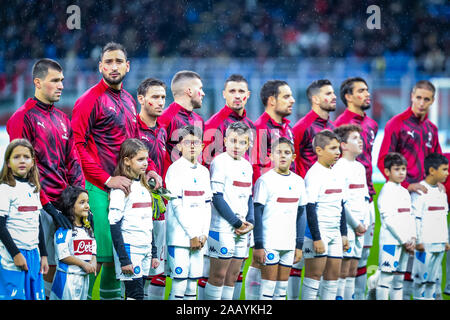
(371, 264)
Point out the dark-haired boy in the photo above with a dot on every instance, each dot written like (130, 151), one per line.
(326, 231)
(188, 216)
(430, 210)
(397, 232)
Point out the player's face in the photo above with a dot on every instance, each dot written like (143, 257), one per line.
(330, 154)
(236, 144)
(327, 98)
(284, 101)
(81, 207)
(20, 162)
(282, 157)
(137, 164)
(196, 88)
(354, 144)
(114, 67)
(441, 173)
(361, 96)
(396, 174)
(236, 95)
(51, 87)
(154, 100)
(421, 100)
(190, 147)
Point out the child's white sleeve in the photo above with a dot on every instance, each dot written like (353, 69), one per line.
(5, 201)
(116, 206)
(261, 192)
(217, 177)
(62, 237)
(417, 206)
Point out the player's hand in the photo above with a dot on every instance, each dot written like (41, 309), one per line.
(157, 177)
(298, 255)
(418, 188)
(202, 240)
(59, 219)
(120, 182)
(360, 230)
(195, 244)
(89, 268)
(155, 263)
(259, 255)
(420, 247)
(20, 261)
(128, 269)
(244, 228)
(44, 265)
(345, 243)
(319, 246)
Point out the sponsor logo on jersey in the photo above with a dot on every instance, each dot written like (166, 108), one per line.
(81, 247)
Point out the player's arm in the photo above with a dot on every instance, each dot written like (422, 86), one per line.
(343, 227)
(300, 227)
(417, 207)
(258, 249)
(389, 144)
(73, 164)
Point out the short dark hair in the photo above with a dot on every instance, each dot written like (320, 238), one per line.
(347, 87)
(235, 78)
(424, 84)
(434, 160)
(190, 130)
(181, 75)
(394, 159)
(112, 46)
(41, 67)
(149, 82)
(239, 127)
(271, 89)
(315, 86)
(323, 138)
(343, 131)
(283, 140)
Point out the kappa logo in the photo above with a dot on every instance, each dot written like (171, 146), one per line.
(308, 250)
(212, 249)
(14, 293)
(386, 264)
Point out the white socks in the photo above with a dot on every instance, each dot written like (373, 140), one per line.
(178, 289)
(329, 289)
(310, 289)
(227, 293)
(267, 289)
(252, 283)
(212, 292)
(280, 290)
(349, 288)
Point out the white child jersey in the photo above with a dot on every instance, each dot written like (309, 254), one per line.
(232, 178)
(21, 205)
(356, 206)
(325, 187)
(75, 242)
(430, 210)
(281, 196)
(135, 211)
(189, 215)
(397, 220)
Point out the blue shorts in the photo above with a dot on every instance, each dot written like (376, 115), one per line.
(19, 284)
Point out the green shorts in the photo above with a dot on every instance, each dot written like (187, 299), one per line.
(99, 203)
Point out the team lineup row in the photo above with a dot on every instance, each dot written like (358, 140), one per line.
(88, 151)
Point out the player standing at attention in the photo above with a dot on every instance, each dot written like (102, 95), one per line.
(232, 213)
(321, 96)
(280, 199)
(102, 119)
(413, 135)
(131, 223)
(357, 211)
(354, 93)
(187, 91)
(326, 231)
(276, 96)
(50, 133)
(152, 98)
(430, 210)
(188, 215)
(23, 257)
(397, 232)
(75, 248)
(236, 95)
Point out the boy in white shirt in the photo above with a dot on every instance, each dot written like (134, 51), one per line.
(326, 231)
(397, 232)
(430, 210)
(280, 199)
(356, 207)
(188, 216)
(232, 213)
